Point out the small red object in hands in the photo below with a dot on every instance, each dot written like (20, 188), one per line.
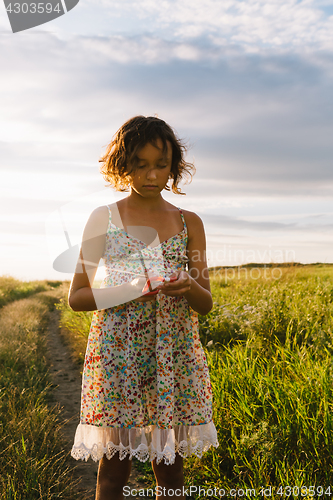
(171, 279)
(155, 279)
(147, 286)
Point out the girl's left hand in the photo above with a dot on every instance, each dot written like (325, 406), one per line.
(177, 288)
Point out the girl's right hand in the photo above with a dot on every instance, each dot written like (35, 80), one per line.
(153, 284)
(139, 284)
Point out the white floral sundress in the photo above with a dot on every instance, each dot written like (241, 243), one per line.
(146, 390)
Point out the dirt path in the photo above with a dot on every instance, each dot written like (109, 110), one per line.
(66, 379)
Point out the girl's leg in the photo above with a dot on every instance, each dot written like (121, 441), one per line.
(170, 477)
(112, 476)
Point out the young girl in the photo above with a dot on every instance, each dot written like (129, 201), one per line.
(146, 390)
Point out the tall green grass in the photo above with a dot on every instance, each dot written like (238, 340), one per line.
(273, 417)
(269, 346)
(75, 328)
(271, 366)
(32, 461)
(12, 289)
(295, 309)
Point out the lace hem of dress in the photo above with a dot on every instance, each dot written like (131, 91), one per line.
(146, 443)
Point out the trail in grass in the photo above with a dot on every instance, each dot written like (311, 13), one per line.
(66, 379)
(32, 461)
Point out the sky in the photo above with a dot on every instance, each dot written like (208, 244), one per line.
(246, 83)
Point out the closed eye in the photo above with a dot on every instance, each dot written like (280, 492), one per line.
(158, 166)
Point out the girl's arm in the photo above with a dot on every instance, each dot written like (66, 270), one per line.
(82, 297)
(194, 285)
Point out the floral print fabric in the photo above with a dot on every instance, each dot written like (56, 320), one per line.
(144, 364)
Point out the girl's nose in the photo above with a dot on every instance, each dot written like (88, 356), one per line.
(151, 174)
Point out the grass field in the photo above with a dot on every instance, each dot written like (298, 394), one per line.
(12, 289)
(32, 461)
(269, 346)
(271, 370)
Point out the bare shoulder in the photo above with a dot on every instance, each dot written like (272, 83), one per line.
(98, 219)
(101, 211)
(195, 227)
(191, 218)
(193, 221)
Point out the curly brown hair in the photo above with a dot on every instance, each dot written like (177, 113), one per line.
(120, 158)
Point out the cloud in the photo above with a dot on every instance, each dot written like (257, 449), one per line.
(252, 24)
(248, 84)
(301, 225)
(257, 122)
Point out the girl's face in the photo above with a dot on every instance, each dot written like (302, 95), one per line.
(153, 169)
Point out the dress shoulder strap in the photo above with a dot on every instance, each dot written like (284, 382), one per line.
(110, 215)
(183, 219)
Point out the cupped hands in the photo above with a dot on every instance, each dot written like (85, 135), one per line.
(177, 288)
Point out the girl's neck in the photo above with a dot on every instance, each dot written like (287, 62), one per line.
(136, 201)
